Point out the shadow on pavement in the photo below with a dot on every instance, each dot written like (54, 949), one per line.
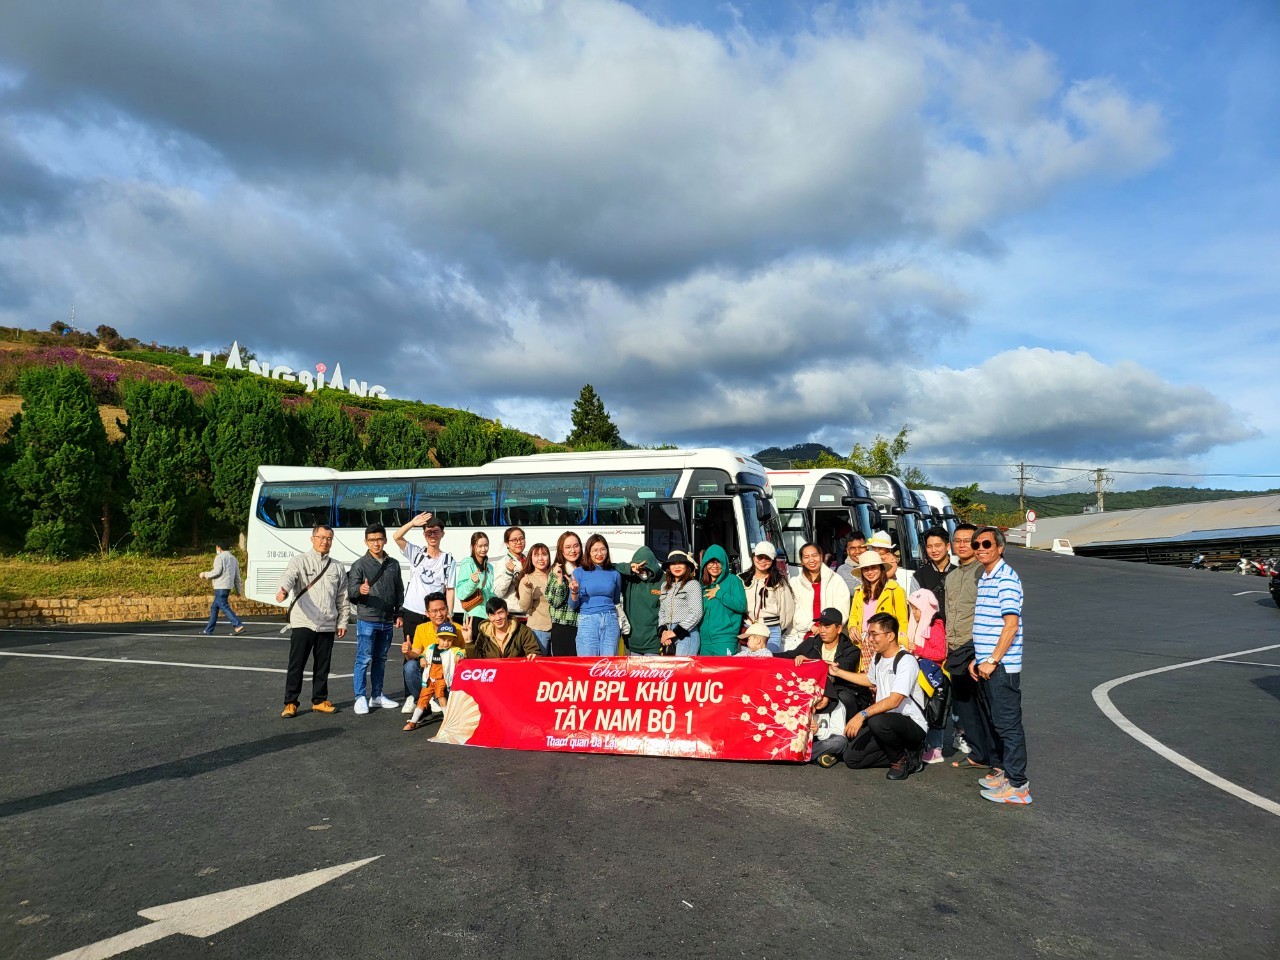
(174, 770)
(1269, 685)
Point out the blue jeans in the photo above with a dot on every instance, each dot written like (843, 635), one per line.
(774, 643)
(220, 603)
(688, 647)
(372, 642)
(544, 639)
(598, 634)
(1003, 693)
(412, 674)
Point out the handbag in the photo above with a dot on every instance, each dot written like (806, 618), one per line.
(624, 625)
(472, 601)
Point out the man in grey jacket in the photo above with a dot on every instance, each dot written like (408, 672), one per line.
(319, 611)
(376, 591)
(226, 577)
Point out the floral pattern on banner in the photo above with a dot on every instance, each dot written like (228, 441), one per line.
(782, 714)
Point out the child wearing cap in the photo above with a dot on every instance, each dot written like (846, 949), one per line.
(757, 637)
(827, 726)
(438, 661)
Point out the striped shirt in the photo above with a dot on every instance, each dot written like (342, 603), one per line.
(999, 593)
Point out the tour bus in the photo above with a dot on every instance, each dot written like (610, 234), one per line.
(666, 499)
(940, 511)
(822, 507)
(901, 515)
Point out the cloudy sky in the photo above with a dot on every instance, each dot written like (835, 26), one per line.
(1039, 232)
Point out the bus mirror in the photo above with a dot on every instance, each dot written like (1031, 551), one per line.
(762, 511)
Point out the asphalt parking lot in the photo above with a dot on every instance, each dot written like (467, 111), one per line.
(146, 764)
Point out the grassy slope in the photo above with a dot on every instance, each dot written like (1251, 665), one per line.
(24, 577)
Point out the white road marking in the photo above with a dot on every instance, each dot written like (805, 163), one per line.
(160, 663)
(85, 634)
(211, 914)
(1101, 696)
(1253, 663)
(1243, 593)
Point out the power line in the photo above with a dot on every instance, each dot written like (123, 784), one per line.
(1089, 471)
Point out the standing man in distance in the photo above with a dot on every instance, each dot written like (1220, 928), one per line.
(226, 577)
(997, 645)
(509, 570)
(375, 589)
(319, 611)
(431, 570)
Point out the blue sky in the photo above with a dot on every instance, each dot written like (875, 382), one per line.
(1040, 232)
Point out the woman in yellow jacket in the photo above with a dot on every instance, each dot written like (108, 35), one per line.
(877, 593)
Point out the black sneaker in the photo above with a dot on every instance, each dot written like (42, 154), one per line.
(900, 769)
(917, 761)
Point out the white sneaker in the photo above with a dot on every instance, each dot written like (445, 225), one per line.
(362, 706)
(436, 708)
(408, 705)
(383, 701)
(961, 744)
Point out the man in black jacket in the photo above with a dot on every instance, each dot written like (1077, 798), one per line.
(375, 588)
(833, 645)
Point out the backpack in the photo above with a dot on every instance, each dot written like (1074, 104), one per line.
(935, 683)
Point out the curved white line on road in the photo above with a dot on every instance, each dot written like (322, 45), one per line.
(1101, 696)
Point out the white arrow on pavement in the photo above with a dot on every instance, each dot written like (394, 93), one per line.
(207, 915)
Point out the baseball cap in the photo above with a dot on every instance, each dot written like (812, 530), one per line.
(764, 549)
(831, 617)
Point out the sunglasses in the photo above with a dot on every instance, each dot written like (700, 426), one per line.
(984, 544)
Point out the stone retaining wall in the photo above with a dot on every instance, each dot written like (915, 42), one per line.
(22, 613)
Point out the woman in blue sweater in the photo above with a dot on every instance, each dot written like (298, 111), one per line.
(594, 592)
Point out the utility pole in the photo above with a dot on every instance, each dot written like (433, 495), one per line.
(1023, 477)
(1101, 479)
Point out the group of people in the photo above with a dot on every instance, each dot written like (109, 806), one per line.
(877, 626)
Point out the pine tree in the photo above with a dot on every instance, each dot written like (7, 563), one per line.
(247, 427)
(464, 443)
(396, 442)
(168, 469)
(60, 472)
(592, 426)
(329, 437)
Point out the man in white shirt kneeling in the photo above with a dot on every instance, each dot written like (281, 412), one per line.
(891, 732)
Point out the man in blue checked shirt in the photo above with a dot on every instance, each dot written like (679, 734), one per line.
(997, 667)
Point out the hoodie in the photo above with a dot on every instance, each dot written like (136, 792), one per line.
(640, 601)
(722, 613)
(927, 636)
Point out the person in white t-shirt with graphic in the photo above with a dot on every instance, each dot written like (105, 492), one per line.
(431, 570)
(891, 732)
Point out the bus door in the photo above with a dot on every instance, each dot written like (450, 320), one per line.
(665, 527)
(715, 522)
(795, 533)
(832, 527)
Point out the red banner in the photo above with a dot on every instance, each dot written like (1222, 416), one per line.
(713, 708)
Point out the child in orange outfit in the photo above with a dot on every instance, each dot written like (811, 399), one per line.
(438, 661)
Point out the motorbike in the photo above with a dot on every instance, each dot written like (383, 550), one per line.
(1260, 567)
(1275, 586)
(1244, 567)
(1199, 564)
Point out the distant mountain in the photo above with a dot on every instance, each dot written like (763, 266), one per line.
(778, 457)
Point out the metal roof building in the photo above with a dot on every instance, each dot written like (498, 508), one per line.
(1223, 530)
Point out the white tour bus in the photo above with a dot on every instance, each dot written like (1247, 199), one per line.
(822, 507)
(667, 499)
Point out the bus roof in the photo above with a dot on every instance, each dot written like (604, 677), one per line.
(541, 463)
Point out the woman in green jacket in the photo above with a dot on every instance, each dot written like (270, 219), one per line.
(724, 604)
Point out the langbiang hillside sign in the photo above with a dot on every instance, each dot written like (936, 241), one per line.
(310, 382)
